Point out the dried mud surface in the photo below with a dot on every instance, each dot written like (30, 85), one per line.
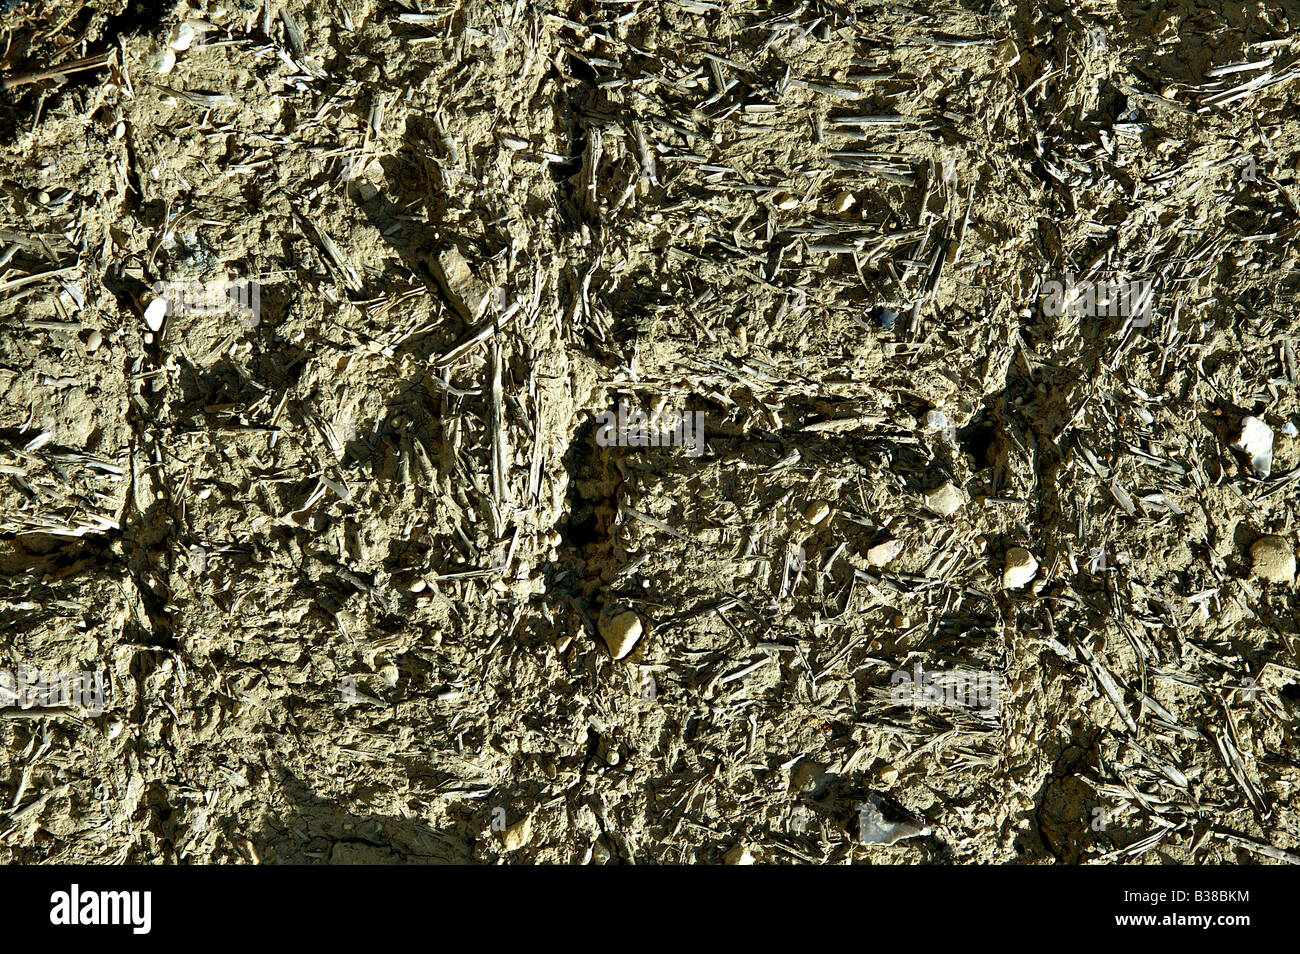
(344, 569)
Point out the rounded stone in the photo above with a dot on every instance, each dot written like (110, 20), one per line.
(1273, 559)
(155, 313)
(163, 62)
(817, 511)
(1020, 569)
(182, 36)
(518, 834)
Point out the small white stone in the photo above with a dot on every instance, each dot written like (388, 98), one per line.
(162, 62)
(936, 420)
(155, 313)
(182, 36)
(873, 829)
(1289, 429)
(883, 553)
(945, 500)
(93, 341)
(1256, 441)
(817, 511)
(1020, 569)
(621, 633)
(1273, 559)
(843, 202)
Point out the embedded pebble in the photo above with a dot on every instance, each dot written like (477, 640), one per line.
(1255, 440)
(464, 289)
(155, 313)
(518, 834)
(1020, 569)
(873, 829)
(1273, 559)
(843, 202)
(883, 553)
(93, 341)
(817, 511)
(162, 62)
(945, 500)
(809, 778)
(621, 633)
(886, 318)
(182, 36)
(1289, 429)
(936, 420)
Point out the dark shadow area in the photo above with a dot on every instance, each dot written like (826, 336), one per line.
(309, 829)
